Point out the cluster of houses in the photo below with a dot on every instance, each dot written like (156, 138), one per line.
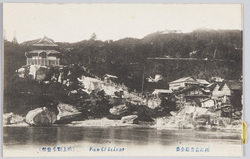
(220, 94)
(223, 95)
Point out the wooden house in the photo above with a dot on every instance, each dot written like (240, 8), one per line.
(161, 92)
(192, 95)
(44, 53)
(229, 92)
(182, 82)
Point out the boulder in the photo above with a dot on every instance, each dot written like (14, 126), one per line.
(153, 103)
(32, 71)
(119, 110)
(117, 101)
(185, 124)
(237, 115)
(41, 73)
(67, 113)
(144, 113)
(130, 119)
(11, 118)
(21, 72)
(237, 124)
(203, 119)
(40, 117)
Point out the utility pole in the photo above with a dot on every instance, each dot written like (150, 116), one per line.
(143, 72)
(215, 51)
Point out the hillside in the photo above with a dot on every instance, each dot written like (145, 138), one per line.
(127, 57)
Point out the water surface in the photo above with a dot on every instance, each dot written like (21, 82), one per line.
(135, 141)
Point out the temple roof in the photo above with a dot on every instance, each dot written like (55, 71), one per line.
(45, 41)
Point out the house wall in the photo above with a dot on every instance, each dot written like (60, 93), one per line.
(175, 86)
(208, 103)
(225, 91)
(194, 92)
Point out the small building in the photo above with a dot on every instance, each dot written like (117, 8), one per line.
(192, 96)
(161, 92)
(220, 89)
(108, 78)
(44, 53)
(182, 82)
(229, 92)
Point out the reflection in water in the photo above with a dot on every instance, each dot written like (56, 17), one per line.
(30, 136)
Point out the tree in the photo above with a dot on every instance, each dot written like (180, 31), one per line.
(97, 105)
(93, 36)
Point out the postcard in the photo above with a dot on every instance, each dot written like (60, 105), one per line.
(122, 79)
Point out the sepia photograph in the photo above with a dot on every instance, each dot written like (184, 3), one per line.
(122, 79)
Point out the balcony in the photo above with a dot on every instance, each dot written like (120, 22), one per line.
(42, 62)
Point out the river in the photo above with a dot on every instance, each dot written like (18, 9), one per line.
(118, 141)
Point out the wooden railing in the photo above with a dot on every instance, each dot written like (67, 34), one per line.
(43, 62)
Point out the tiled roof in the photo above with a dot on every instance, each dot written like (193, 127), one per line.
(202, 81)
(211, 86)
(191, 88)
(45, 41)
(232, 84)
(184, 79)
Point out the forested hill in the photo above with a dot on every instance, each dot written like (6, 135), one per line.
(125, 58)
(212, 44)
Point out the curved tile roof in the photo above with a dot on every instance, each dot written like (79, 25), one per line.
(45, 41)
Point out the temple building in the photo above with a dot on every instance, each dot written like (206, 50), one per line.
(44, 53)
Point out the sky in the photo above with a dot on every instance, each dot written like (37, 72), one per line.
(76, 22)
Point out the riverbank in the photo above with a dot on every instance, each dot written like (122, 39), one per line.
(159, 123)
(104, 122)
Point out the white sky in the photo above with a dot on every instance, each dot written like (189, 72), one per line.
(76, 22)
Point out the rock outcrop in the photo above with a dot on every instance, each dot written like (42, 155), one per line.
(11, 118)
(40, 117)
(67, 113)
(187, 118)
(119, 110)
(130, 119)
